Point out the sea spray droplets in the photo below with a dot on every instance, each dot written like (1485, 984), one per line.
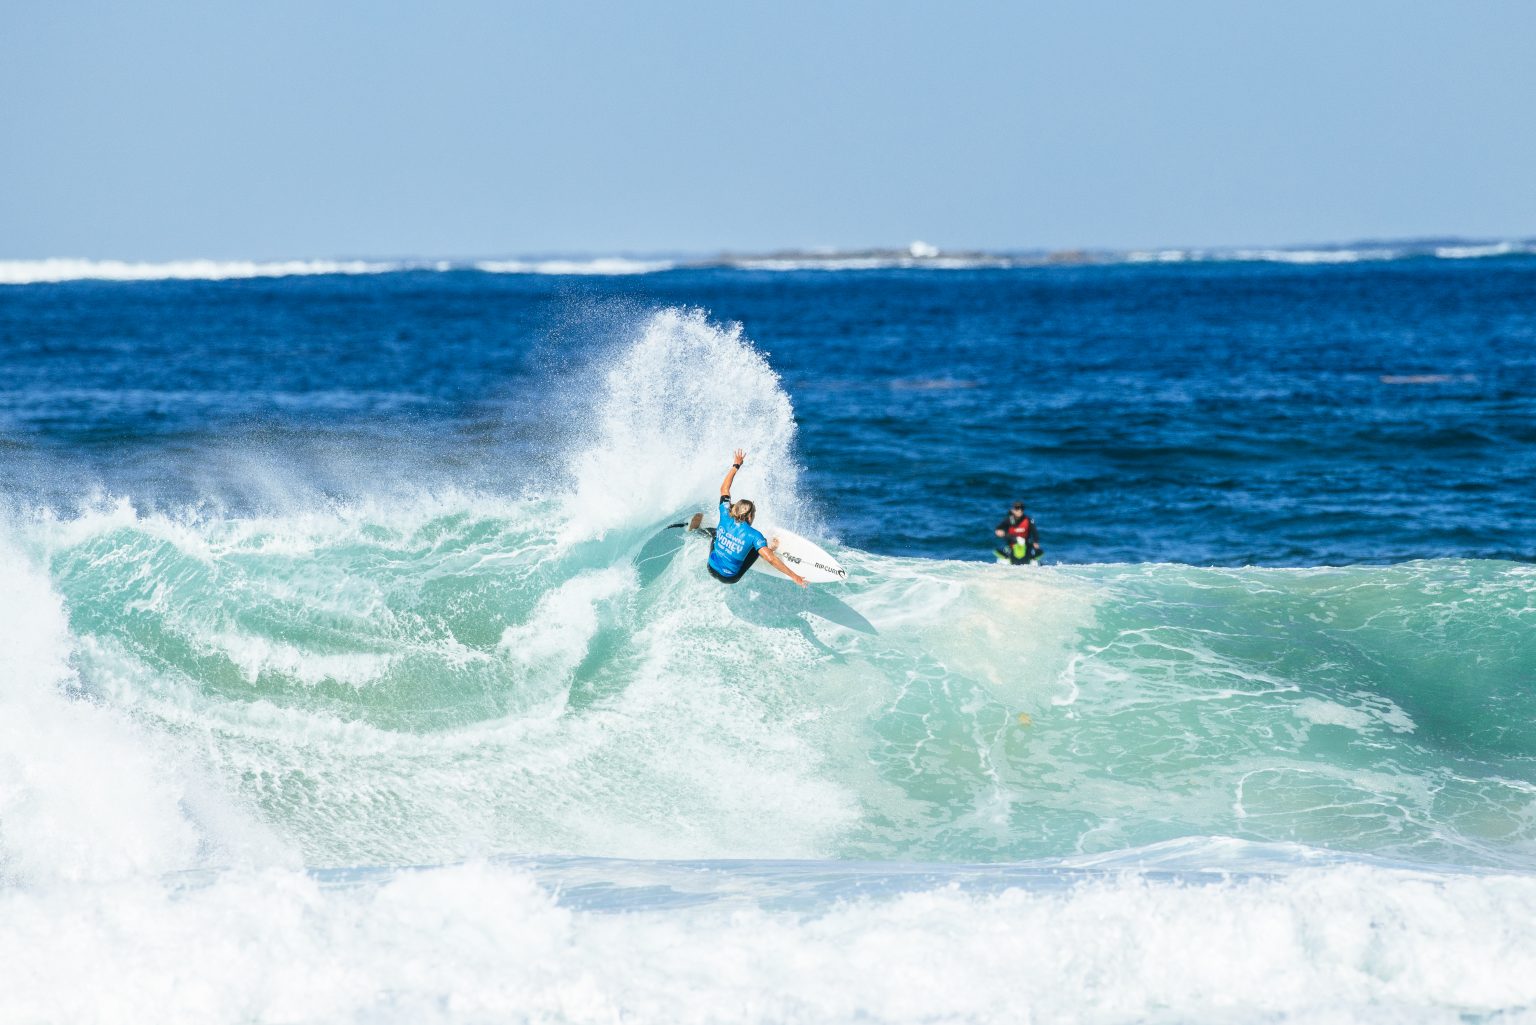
(673, 407)
(83, 793)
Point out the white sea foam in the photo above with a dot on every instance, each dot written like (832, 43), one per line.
(256, 655)
(1479, 251)
(483, 942)
(1371, 714)
(29, 272)
(544, 651)
(85, 793)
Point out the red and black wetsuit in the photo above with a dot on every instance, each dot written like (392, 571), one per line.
(1017, 526)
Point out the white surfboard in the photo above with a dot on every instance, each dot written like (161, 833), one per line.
(805, 557)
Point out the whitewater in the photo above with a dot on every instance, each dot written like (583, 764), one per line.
(446, 752)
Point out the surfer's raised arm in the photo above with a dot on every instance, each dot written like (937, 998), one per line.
(730, 475)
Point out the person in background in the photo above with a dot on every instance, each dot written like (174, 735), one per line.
(1021, 544)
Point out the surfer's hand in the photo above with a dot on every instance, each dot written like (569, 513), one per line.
(797, 578)
(741, 457)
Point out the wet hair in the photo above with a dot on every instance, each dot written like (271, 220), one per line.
(743, 511)
(1019, 506)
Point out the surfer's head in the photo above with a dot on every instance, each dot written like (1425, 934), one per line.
(742, 511)
(1018, 508)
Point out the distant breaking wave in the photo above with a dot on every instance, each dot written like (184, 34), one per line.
(918, 256)
(53, 270)
(1336, 254)
(33, 272)
(844, 263)
(604, 266)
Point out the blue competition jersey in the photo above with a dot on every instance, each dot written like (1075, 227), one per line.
(733, 541)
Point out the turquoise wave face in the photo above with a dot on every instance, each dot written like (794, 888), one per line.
(457, 676)
(452, 673)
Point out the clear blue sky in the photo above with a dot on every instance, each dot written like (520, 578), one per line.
(156, 130)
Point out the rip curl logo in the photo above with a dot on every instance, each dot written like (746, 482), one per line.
(796, 560)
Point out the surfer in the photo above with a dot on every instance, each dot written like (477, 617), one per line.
(736, 543)
(1021, 545)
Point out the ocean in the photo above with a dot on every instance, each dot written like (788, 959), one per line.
(348, 673)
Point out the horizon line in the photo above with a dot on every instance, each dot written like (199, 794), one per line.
(917, 255)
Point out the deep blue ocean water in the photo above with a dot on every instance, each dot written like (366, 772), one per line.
(348, 675)
(1222, 414)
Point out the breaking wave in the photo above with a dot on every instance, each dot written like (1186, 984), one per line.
(1090, 787)
(918, 257)
(409, 681)
(31, 272)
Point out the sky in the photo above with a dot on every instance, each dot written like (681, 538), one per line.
(308, 129)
